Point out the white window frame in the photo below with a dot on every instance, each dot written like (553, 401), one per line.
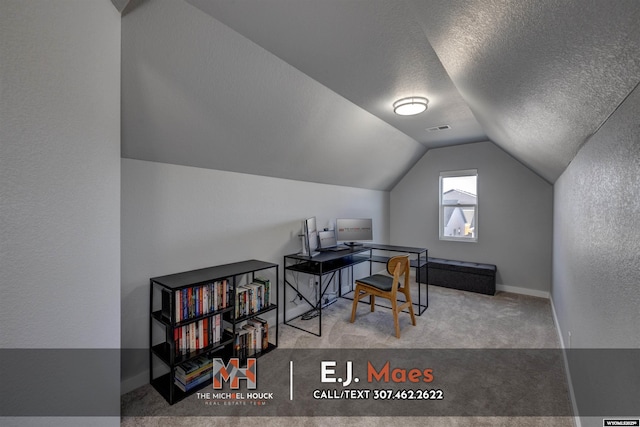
(450, 174)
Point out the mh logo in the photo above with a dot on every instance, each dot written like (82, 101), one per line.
(233, 372)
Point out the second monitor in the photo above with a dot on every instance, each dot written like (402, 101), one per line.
(353, 231)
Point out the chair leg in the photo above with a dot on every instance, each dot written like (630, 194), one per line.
(394, 308)
(355, 304)
(413, 317)
(372, 302)
(410, 304)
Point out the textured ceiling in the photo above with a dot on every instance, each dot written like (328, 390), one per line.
(540, 76)
(371, 52)
(535, 77)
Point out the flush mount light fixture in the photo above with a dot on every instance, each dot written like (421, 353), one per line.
(410, 106)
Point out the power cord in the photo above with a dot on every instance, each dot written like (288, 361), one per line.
(311, 314)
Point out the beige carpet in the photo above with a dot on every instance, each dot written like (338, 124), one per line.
(454, 319)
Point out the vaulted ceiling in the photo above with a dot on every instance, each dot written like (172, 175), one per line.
(303, 89)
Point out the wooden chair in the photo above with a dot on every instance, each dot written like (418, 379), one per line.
(387, 287)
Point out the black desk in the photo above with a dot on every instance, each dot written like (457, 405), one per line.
(418, 259)
(326, 265)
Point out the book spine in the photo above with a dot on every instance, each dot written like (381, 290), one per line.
(192, 337)
(205, 299)
(205, 332)
(218, 328)
(224, 293)
(178, 306)
(185, 304)
(196, 302)
(176, 342)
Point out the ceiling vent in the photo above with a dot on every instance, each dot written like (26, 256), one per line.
(437, 128)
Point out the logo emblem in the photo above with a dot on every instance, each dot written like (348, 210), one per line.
(233, 373)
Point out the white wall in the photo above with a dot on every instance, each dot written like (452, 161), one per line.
(60, 193)
(178, 218)
(514, 215)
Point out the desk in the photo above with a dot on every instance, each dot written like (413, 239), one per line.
(326, 265)
(418, 260)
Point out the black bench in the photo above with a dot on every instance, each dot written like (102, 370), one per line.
(465, 276)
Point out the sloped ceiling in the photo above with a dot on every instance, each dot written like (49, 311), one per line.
(370, 52)
(197, 93)
(303, 89)
(540, 76)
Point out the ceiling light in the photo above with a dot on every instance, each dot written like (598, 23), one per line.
(410, 106)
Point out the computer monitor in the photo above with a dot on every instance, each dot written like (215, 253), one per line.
(353, 231)
(311, 236)
(327, 239)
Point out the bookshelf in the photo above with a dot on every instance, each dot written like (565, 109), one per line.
(218, 311)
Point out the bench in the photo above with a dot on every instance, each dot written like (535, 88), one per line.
(465, 276)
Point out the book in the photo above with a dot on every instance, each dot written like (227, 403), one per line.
(193, 373)
(205, 299)
(194, 365)
(205, 332)
(192, 384)
(192, 337)
(267, 289)
(176, 341)
(259, 334)
(218, 329)
(185, 304)
(195, 376)
(242, 293)
(250, 340)
(178, 306)
(265, 332)
(241, 336)
(256, 297)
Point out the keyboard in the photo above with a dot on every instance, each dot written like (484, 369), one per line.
(338, 248)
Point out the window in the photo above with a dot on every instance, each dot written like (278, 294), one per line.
(459, 205)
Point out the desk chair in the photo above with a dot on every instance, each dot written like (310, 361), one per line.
(387, 287)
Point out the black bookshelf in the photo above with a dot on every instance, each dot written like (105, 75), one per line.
(167, 319)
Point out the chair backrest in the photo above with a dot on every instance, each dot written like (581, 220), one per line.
(397, 266)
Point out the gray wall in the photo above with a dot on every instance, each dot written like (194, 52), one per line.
(596, 250)
(514, 215)
(596, 245)
(178, 218)
(60, 192)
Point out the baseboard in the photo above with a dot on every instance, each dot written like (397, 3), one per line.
(134, 382)
(572, 396)
(523, 291)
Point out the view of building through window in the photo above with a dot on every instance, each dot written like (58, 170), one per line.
(459, 205)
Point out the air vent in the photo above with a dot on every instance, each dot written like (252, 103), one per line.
(437, 128)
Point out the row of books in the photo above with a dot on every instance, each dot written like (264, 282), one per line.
(192, 373)
(251, 338)
(198, 335)
(253, 297)
(197, 301)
